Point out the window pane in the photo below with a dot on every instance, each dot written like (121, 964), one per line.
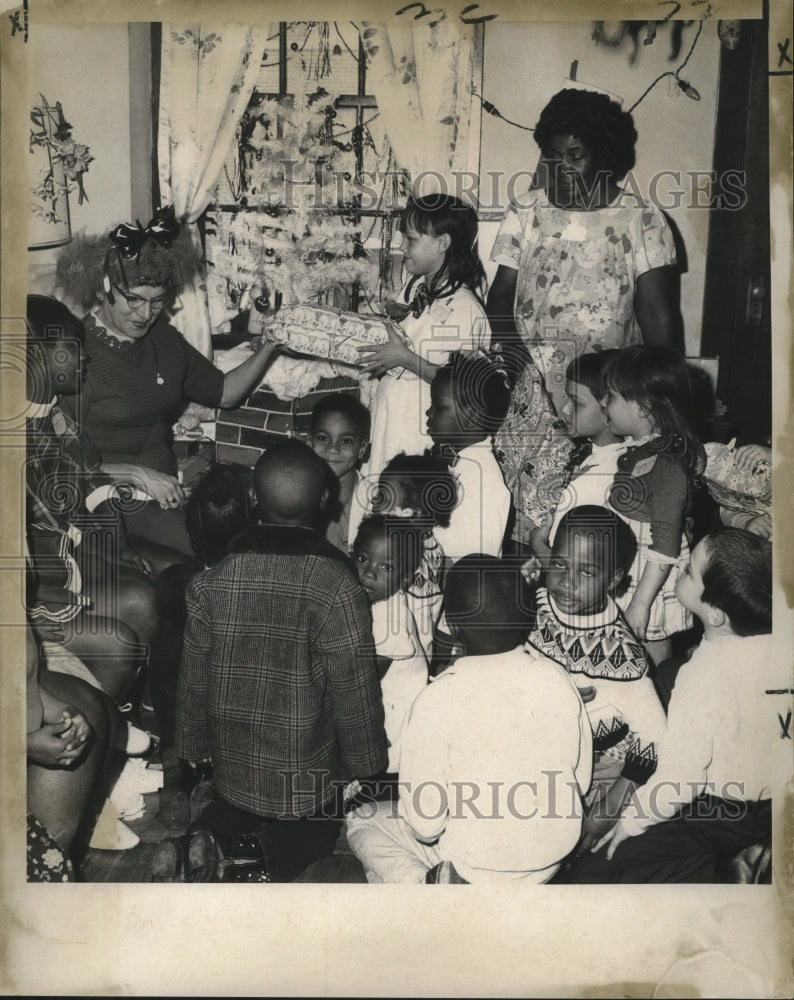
(267, 81)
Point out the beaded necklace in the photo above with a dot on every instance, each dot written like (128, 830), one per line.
(101, 333)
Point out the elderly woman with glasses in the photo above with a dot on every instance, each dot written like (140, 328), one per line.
(141, 371)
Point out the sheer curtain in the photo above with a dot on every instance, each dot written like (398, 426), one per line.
(207, 76)
(422, 76)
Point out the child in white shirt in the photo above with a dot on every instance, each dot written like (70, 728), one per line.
(710, 797)
(469, 398)
(496, 755)
(386, 553)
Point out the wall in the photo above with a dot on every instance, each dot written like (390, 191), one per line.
(675, 133)
(86, 68)
(72, 64)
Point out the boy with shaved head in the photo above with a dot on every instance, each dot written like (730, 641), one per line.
(278, 685)
(495, 757)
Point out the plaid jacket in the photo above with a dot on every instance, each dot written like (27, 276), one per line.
(278, 682)
(64, 486)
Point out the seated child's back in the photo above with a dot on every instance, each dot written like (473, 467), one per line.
(496, 753)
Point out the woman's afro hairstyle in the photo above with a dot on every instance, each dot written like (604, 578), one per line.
(597, 121)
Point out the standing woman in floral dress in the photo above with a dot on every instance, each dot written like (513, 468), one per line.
(583, 266)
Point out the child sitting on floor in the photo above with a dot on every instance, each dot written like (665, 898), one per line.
(386, 554)
(709, 798)
(579, 625)
(469, 400)
(340, 435)
(495, 756)
(424, 486)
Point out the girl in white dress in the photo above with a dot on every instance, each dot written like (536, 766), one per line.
(439, 310)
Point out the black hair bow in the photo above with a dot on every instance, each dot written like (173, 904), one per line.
(163, 230)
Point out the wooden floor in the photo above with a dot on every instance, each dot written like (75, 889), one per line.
(135, 865)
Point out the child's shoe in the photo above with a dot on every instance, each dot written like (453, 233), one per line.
(110, 834)
(444, 873)
(189, 858)
(174, 795)
(132, 741)
(135, 781)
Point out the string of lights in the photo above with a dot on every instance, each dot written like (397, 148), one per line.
(686, 87)
(491, 109)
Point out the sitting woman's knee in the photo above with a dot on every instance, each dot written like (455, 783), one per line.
(92, 702)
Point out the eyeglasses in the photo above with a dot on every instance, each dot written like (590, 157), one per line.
(139, 302)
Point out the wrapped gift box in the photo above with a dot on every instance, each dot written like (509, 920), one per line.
(746, 490)
(326, 333)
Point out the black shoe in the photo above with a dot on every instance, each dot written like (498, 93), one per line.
(190, 858)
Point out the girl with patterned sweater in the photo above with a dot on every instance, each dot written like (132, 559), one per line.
(579, 625)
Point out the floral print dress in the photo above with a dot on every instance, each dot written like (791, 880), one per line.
(577, 272)
(47, 861)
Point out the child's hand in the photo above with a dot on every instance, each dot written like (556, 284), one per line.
(638, 616)
(383, 357)
(614, 838)
(594, 829)
(133, 558)
(539, 538)
(760, 524)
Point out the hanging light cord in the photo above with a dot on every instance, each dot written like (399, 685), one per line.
(669, 72)
(491, 109)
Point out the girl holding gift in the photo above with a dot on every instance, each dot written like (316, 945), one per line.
(439, 309)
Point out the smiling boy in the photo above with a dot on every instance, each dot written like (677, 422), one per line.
(340, 436)
(580, 626)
